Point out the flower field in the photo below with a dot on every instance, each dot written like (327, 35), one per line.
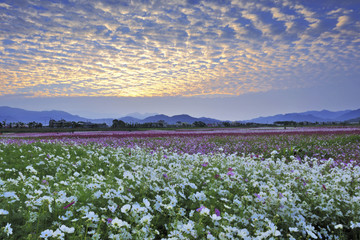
(187, 185)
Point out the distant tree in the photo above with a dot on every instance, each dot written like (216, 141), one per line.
(118, 124)
(199, 124)
(226, 124)
(122, 124)
(115, 123)
(52, 123)
(161, 123)
(75, 124)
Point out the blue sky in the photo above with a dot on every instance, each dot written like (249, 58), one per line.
(224, 59)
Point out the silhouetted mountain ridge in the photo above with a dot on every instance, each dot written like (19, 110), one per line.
(183, 118)
(310, 116)
(10, 114)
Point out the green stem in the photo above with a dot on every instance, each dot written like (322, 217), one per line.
(86, 231)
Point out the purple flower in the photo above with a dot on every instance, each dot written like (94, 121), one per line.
(217, 212)
(216, 176)
(45, 182)
(280, 195)
(205, 164)
(165, 156)
(69, 204)
(200, 208)
(230, 173)
(109, 220)
(165, 175)
(257, 195)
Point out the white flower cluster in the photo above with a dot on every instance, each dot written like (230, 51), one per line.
(144, 195)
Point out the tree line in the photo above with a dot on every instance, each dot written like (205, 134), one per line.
(119, 124)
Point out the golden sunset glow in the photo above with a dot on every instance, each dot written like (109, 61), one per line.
(173, 48)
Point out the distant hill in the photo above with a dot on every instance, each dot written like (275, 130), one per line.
(178, 118)
(325, 114)
(10, 114)
(141, 116)
(354, 120)
(310, 116)
(349, 115)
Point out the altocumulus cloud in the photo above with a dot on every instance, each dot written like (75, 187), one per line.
(175, 48)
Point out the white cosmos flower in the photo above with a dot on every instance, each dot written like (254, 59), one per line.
(146, 219)
(58, 234)
(46, 234)
(146, 202)
(8, 230)
(214, 217)
(125, 208)
(354, 225)
(339, 226)
(9, 194)
(118, 223)
(3, 212)
(113, 208)
(31, 169)
(274, 152)
(98, 194)
(128, 175)
(92, 216)
(67, 229)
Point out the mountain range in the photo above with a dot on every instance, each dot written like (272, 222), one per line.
(10, 114)
(312, 116)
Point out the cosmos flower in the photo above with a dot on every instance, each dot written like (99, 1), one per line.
(118, 223)
(4, 212)
(92, 216)
(67, 229)
(46, 233)
(126, 208)
(8, 230)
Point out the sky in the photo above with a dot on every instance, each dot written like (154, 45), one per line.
(226, 59)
